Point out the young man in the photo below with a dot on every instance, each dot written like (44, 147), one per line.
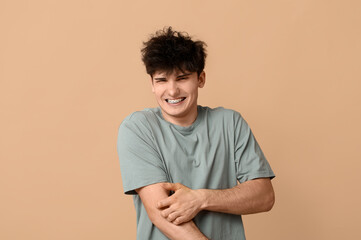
(192, 170)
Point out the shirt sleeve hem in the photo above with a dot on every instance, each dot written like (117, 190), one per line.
(130, 190)
(252, 176)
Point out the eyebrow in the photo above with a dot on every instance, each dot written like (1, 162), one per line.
(160, 78)
(184, 75)
(179, 76)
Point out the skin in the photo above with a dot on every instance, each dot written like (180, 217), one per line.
(154, 193)
(173, 214)
(178, 85)
(250, 197)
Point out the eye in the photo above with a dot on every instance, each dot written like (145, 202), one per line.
(182, 78)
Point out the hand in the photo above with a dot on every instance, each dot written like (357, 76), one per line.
(183, 205)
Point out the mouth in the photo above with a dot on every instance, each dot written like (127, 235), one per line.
(175, 101)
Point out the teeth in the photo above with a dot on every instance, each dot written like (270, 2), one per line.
(175, 101)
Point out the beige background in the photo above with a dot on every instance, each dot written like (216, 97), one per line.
(70, 71)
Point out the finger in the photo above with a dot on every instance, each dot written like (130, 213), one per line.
(171, 217)
(165, 213)
(164, 203)
(180, 220)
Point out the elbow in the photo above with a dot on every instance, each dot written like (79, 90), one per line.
(269, 201)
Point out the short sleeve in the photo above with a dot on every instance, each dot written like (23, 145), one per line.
(140, 163)
(249, 158)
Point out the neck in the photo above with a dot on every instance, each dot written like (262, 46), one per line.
(183, 121)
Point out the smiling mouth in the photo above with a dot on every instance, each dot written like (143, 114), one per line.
(174, 101)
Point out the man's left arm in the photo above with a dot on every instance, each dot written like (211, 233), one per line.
(249, 197)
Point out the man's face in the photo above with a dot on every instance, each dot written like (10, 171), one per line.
(176, 94)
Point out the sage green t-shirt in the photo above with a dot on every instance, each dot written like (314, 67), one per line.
(213, 153)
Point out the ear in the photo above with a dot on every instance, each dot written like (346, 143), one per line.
(202, 79)
(152, 83)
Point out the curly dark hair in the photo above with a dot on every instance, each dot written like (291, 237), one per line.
(168, 50)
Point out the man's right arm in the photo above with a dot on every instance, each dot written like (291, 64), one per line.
(150, 196)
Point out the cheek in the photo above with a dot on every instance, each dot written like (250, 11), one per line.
(158, 92)
(193, 90)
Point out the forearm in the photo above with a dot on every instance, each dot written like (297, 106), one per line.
(184, 231)
(150, 195)
(246, 198)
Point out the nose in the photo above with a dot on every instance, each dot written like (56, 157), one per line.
(173, 89)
